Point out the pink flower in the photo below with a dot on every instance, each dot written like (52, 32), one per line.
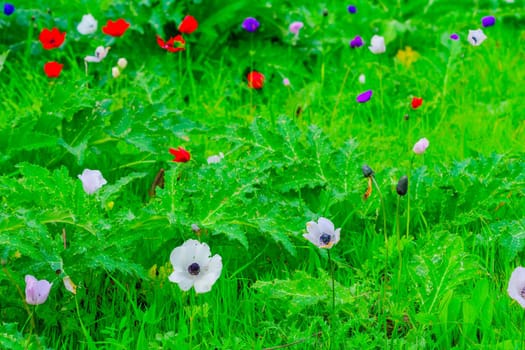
(295, 27)
(36, 291)
(421, 146)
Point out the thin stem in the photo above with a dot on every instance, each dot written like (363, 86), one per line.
(332, 330)
(398, 234)
(523, 330)
(408, 199)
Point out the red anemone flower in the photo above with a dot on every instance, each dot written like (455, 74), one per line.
(188, 25)
(51, 39)
(115, 28)
(255, 80)
(175, 43)
(53, 69)
(416, 102)
(181, 155)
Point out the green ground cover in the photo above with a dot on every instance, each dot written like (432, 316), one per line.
(425, 270)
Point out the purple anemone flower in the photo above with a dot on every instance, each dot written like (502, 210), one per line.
(364, 96)
(488, 21)
(352, 9)
(356, 42)
(454, 36)
(8, 9)
(250, 24)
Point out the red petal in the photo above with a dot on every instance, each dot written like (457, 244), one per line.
(161, 42)
(188, 25)
(255, 80)
(115, 28)
(416, 102)
(53, 69)
(51, 39)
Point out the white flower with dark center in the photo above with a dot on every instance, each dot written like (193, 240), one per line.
(36, 291)
(88, 25)
(92, 180)
(322, 233)
(193, 266)
(476, 37)
(377, 44)
(516, 288)
(100, 53)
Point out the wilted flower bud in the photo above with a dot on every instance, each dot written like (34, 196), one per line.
(325, 12)
(367, 171)
(402, 185)
(195, 228)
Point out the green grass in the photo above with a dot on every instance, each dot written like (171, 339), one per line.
(436, 279)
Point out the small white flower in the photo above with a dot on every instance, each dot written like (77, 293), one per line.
(377, 44)
(193, 266)
(286, 82)
(122, 63)
(421, 146)
(215, 158)
(476, 37)
(92, 180)
(322, 233)
(100, 53)
(115, 72)
(88, 25)
(516, 288)
(362, 78)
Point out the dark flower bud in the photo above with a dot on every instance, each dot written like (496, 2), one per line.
(367, 171)
(325, 12)
(402, 186)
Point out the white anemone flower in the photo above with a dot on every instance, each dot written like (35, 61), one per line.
(377, 44)
(476, 37)
(322, 233)
(215, 158)
(193, 266)
(92, 180)
(100, 53)
(516, 288)
(37, 291)
(362, 78)
(88, 25)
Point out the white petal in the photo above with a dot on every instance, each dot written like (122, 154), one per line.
(204, 283)
(182, 279)
(326, 226)
(202, 254)
(517, 284)
(313, 229)
(92, 59)
(88, 25)
(337, 236)
(313, 239)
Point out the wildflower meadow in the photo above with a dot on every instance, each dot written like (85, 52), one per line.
(205, 174)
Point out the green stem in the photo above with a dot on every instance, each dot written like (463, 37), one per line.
(523, 329)
(398, 234)
(332, 328)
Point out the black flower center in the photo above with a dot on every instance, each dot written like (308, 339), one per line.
(194, 269)
(522, 292)
(325, 238)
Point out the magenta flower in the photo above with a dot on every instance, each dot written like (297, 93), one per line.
(364, 96)
(250, 24)
(488, 21)
(454, 36)
(356, 42)
(421, 146)
(36, 291)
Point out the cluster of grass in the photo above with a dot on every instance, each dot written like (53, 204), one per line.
(427, 270)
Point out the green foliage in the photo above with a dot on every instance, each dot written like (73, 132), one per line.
(435, 279)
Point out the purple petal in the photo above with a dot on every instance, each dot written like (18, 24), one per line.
(352, 9)
(364, 97)
(250, 24)
(9, 9)
(356, 42)
(488, 21)
(454, 36)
